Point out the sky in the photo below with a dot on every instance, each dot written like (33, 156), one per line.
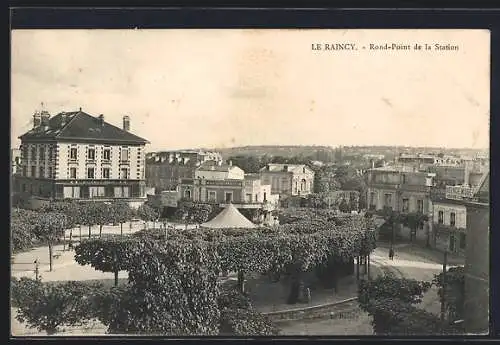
(222, 88)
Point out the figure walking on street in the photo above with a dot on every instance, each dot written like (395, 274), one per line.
(391, 253)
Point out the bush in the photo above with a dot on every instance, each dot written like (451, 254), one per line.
(246, 322)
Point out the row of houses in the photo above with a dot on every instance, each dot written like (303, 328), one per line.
(74, 155)
(440, 194)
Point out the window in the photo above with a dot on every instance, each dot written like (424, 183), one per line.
(124, 154)
(33, 171)
(106, 155)
(90, 173)
(265, 196)
(187, 194)
(420, 206)
(462, 240)
(105, 172)
(403, 179)
(388, 200)
(33, 153)
(42, 172)
(91, 154)
(41, 153)
(50, 173)
(249, 197)
(372, 198)
(452, 219)
(72, 172)
(25, 171)
(96, 192)
(406, 204)
(122, 192)
(229, 197)
(211, 196)
(440, 217)
(123, 173)
(71, 192)
(73, 152)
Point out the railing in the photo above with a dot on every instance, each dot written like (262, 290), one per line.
(459, 193)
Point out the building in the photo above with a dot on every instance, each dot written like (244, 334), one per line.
(288, 179)
(214, 170)
(477, 260)
(74, 155)
(223, 184)
(399, 188)
(165, 169)
(449, 213)
(15, 161)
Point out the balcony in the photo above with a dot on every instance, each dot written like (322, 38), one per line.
(459, 193)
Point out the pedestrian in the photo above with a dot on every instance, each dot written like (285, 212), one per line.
(391, 253)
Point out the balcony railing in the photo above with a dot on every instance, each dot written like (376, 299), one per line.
(459, 193)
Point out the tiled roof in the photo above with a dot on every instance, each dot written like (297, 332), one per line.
(78, 125)
(294, 168)
(213, 166)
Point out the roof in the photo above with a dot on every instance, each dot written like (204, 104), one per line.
(214, 166)
(79, 125)
(229, 217)
(293, 168)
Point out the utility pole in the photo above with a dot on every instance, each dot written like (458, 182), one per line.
(36, 269)
(443, 295)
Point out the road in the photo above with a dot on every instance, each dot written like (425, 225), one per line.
(408, 263)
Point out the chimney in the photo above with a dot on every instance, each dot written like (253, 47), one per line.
(37, 120)
(101, 120)
(44, 119)
(126, 123)
(467, 173)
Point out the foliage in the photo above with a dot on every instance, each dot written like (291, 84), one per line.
(22, 223)
(106, 255)
(120, 212)
(246, 322)
(71, 209)
(391, 302)
(50, 226)
(409, 291)
(173, 289)
(233, 299)
(314, 200)
(49, 306)
(248, 163)
(455, 290)
(147, 213)
(89, 212)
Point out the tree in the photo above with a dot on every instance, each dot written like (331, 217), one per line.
(48, 306)
(120, 212)
(49, 228)
(414, 220)
(103, 213)
(455, 291)
(147, 214)
(249, 164)
(89, 212)
(390, 301)
(201, 212)
(106, 255)
(22, 223)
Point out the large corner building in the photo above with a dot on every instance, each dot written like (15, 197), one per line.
(74, 155)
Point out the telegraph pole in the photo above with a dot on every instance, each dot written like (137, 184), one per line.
(36, 269)
(443, 295)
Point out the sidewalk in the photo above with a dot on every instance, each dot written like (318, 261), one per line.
(425, 254)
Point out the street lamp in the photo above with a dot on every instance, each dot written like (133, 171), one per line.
(430, 209)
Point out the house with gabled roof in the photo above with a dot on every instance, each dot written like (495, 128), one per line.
(74, 155)
(288, 179)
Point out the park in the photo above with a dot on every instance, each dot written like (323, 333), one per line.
(318, 272)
